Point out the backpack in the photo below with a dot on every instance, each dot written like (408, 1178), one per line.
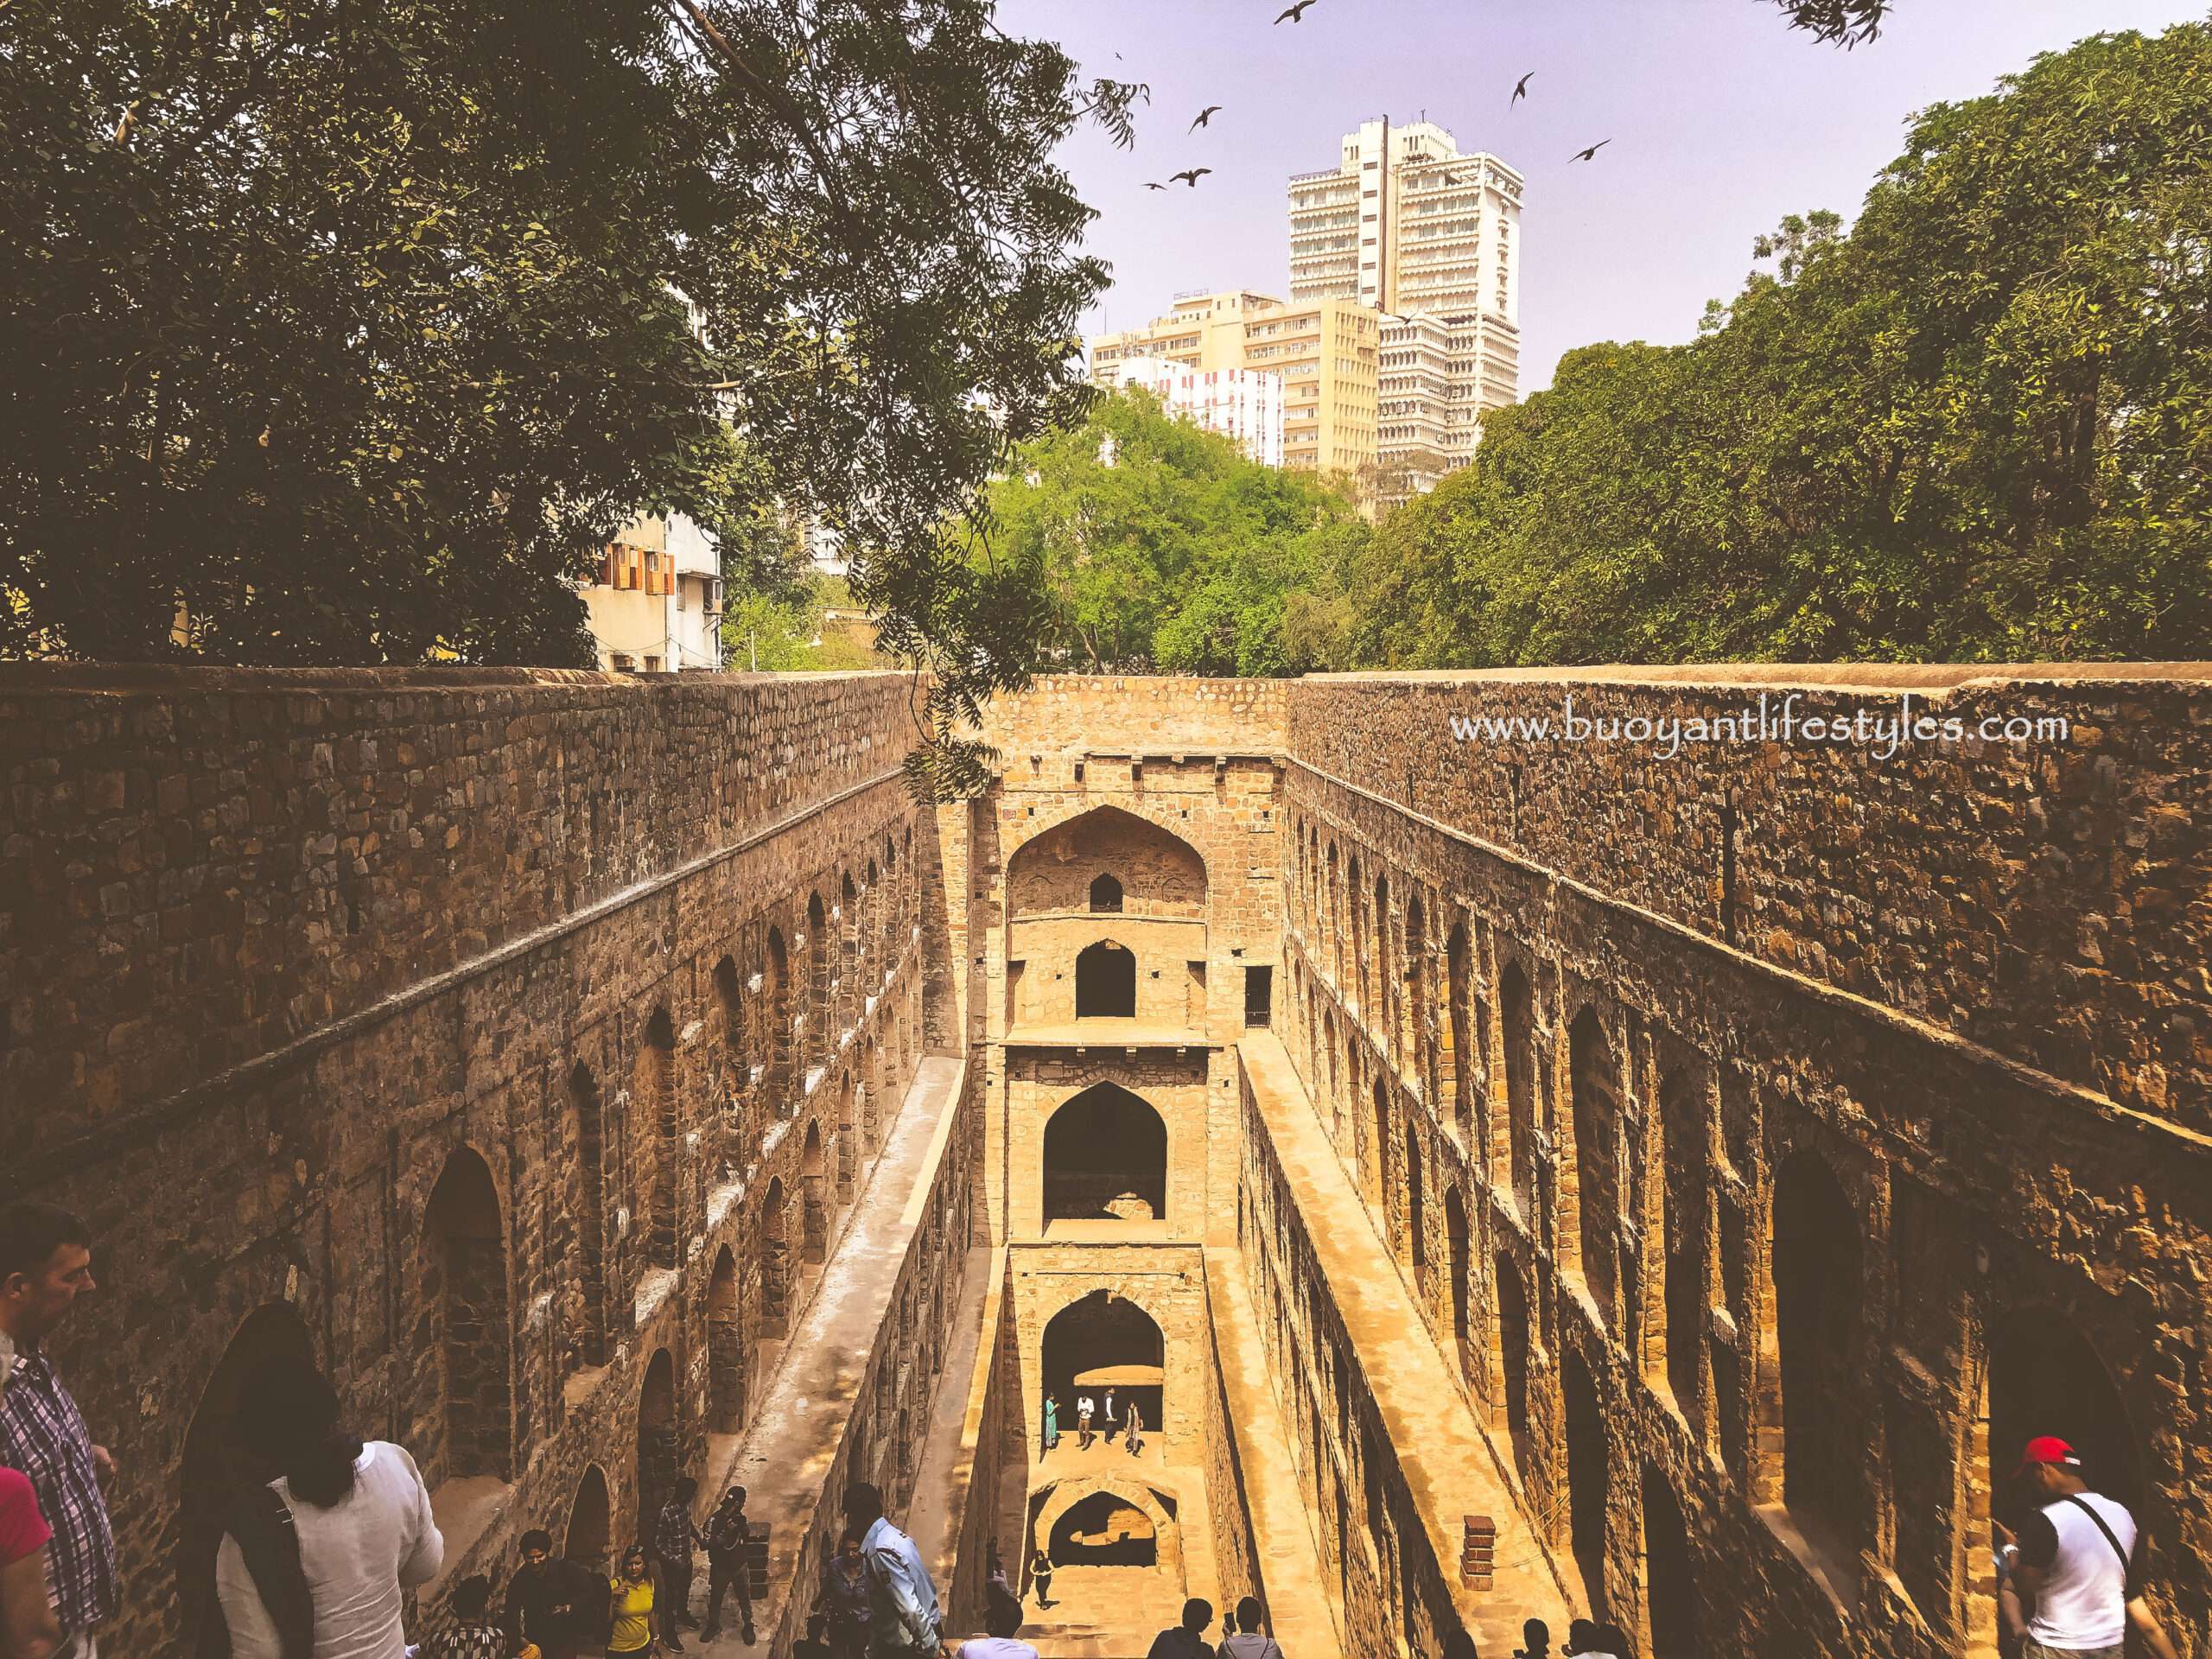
(262, 1522)
(595, 1614)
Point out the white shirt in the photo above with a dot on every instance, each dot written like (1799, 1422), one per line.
(995, 1647)
(1082, 1407)
(900, 1591)
(1250, 1645)
(358, 1555)
(2084, 1601)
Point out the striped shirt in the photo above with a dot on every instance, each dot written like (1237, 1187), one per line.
(43, 1434)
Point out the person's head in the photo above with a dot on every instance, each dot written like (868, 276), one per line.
(1614, 1640)
(1248, 1615)
(2049, 1468)
(1040, 1561)
(1198, 1613)
(1459, 1645)
(45, 1261)
(863, 1507)
(848, 1542)
(634, 1563)
(288, 1417)
(685, 1490)
(1581, 1636)
(733, 1498)
(536, 1546)
(471, 1596)
(1536, 1634)
(1003, 1615)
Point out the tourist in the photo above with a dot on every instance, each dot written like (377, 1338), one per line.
(1040, 1575)
(1586, 1640)
(1249, 1642)
(903, 1602)
(558, 1606)
(676, 1536)
(328, 1549)
(631, 1589)
(471, 1635)
(1110, 1413)
(1052, 1423)
(2077, 1566)
(45, 1263)
(1135, 1437)
(815, 1644)
(1612, 1639)
(726, 1532)
(28, 1627)
(1535, 1640)
(845, 1599)
(1188, 1639)
(1083, 1409)
(1001, 1619)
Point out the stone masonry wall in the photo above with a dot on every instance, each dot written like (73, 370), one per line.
(333, 991)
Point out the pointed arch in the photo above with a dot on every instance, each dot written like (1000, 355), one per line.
(725, 1347)
(1105, 982)
(814, 1242)
(652, 1094)
(466, 1335)
(1595, 1193)
(589, 1535)
(587, 1322)
(1516, 1008)
(1817, 1267)
(1105, 1158)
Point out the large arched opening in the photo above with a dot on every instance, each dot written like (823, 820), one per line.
(775, 1261)
(1455, 1238)
(660, 1451)
(589, 1533)
(1595, 1089)
(464, 1306)
(589, 1323)
(216, 1469)
(1816, 1266)
(652, 1094)
(1416, 1214)
(1586, 1473)
(1378, 1177)
(1103, 1530)
(1513, 1361)
(814, 1219)
(1457, 1066)
(1669, 1572)
(776, 996)
(1106, 1159)
(1517, 1006)
(1104, 1341)
(1105, 982)
(1680, 1184)
(816, 1016)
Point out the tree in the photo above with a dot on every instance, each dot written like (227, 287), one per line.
(349, 334)
(1973, 429)
(1844, 22)
(1160, 546)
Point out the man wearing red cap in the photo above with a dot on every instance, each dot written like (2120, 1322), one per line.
(2076, 1565)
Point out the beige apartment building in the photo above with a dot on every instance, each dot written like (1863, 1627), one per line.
(1327, 352)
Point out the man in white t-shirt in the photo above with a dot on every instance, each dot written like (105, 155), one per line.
(1083, 1409)
(2077, 1565)
(1001, 1619)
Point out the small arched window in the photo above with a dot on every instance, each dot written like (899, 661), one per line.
(1106, 895)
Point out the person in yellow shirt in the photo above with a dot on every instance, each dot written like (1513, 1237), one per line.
(632, 1589)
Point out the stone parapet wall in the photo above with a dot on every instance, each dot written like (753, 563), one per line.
(2045, 900)
(1136, 714)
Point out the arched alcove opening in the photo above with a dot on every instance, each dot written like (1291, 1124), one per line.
(1816, 1268)
(1378, 1179)
(1104, 1529)
(216, 1468)
(1106, 1159)
(1455, 1237)
(1383, 982)
(1104, 1340)
(816, 1016)
(1416, 1218)
(588, 1322)
(1456, 1071)
(1105, 982)
(1595, 1089)
(1106, 895)
(1516, 1008)
(1681, 1185)
(1669, 1572)
(848, 1139)
(774, 1246)
(1108, 852)
(660, 1450)
(652, 1094)
(1513, 1360)
(1586, 1472)
(814, 1219)
(2044, 1377)
(1418, 1049)
(589, 1533)
(776, 994)
(464, 1308)
(725, 1347)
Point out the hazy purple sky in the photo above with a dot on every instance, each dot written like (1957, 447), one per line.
(1722, 120)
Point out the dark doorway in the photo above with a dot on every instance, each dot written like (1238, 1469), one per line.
(1259, 997)
(1106, 895)
(1106, 1159)
(591, 1524)
(1106, 982)
(1586, 1477)
(660, 1451)
(1105, 1530)
(1101, 1336)
(1669, 1576)
(1816, 1297)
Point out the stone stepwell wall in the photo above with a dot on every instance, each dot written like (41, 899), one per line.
(2046, 899)
(201, 867)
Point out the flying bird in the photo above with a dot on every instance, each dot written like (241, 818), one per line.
(1296, 13)
(1520, 89)
(1589, 155)
(1205, 116)
(1191, 176)
(1149, 184)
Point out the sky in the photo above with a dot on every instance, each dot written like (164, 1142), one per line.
(1722, 119)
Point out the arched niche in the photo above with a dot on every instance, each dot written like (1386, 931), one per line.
(1158, 872)
(1105, 1335)
(1105, 1158)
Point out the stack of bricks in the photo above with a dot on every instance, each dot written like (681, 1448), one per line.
(1477, 1551)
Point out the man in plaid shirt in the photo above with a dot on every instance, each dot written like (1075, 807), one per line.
(675, 1538)
(46, 1261)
